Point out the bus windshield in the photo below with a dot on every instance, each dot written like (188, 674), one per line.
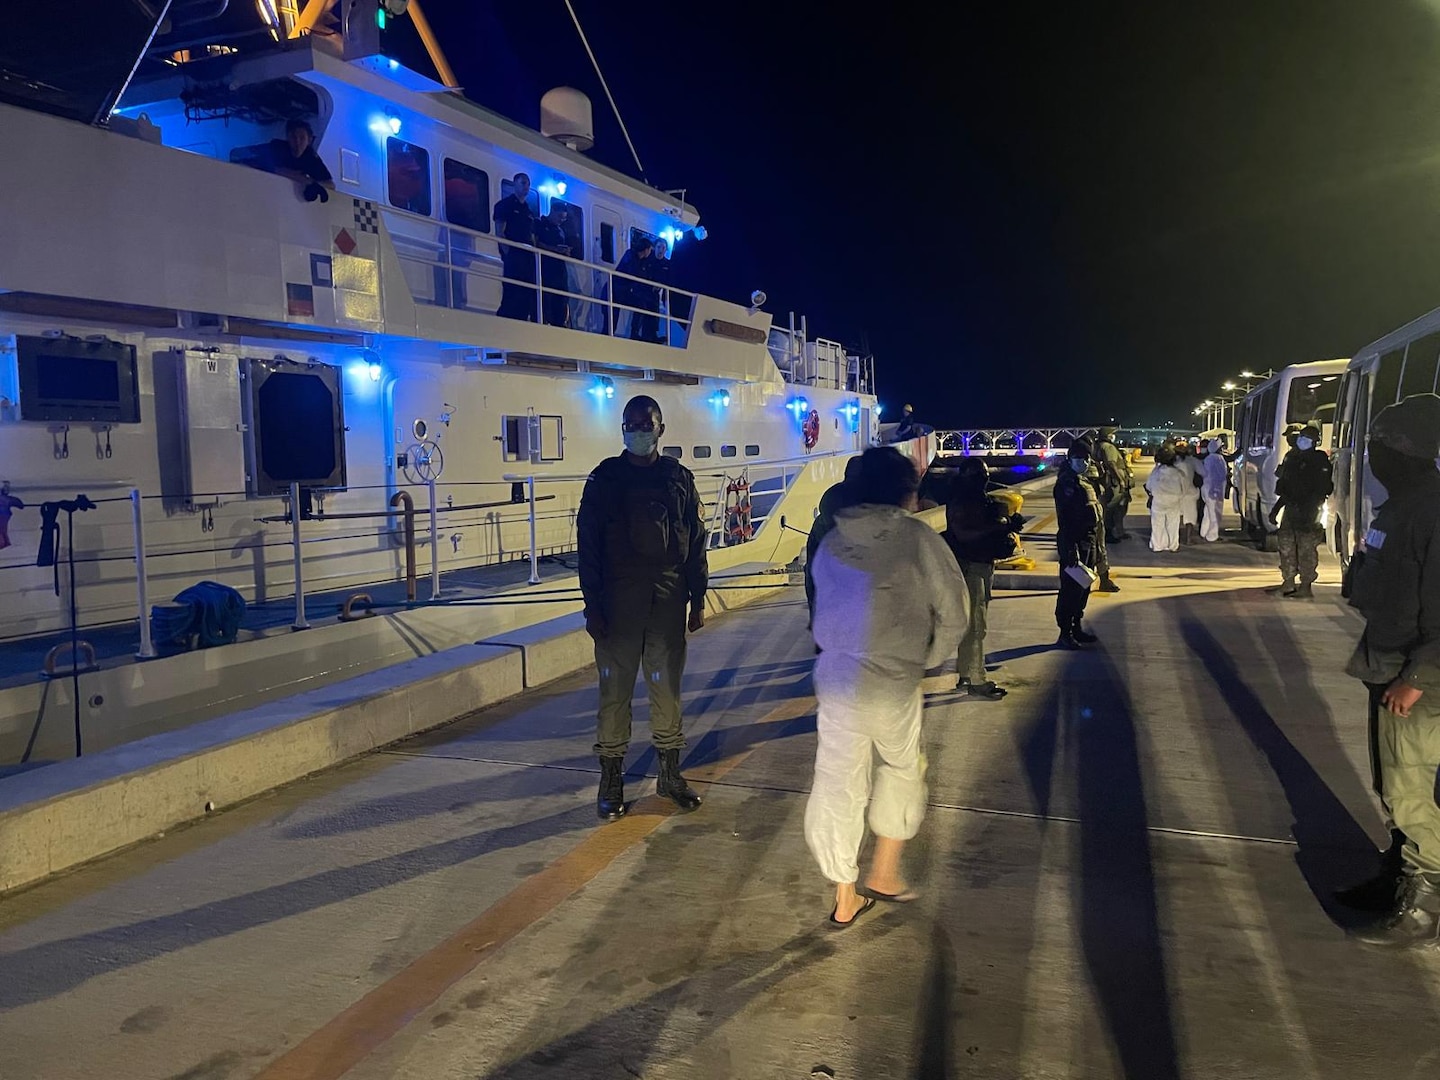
(1312, 398)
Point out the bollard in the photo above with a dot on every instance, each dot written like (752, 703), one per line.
(534, 558)
(299, 623)
(434, 546)
(142, 598)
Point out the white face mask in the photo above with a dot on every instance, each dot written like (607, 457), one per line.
(1304, 443)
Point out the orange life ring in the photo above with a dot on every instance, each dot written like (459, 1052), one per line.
(811, 430)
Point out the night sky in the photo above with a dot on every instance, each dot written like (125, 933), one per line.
(1029, 212)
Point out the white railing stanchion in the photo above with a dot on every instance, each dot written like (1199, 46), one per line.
(534, 556)
(142, 599)
(300, 623)
(434, 545)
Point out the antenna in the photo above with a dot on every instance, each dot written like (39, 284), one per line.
(606, 87)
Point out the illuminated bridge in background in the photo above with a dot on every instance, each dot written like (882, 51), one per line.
(1040, 440)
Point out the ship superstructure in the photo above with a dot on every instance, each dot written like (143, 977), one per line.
(177, 323)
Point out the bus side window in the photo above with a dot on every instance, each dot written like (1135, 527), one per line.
(1265, 419)
(1344, 411)
(1387, 380)
(1420, 358)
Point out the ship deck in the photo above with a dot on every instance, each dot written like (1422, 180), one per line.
(1125, 867)
(115, 644)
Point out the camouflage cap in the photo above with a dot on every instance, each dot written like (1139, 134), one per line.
(1410, 427)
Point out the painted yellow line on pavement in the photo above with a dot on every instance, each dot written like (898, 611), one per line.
(356, 1033)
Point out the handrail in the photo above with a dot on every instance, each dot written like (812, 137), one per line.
(442, 243)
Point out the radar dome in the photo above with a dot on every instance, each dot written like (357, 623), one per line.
(566, 117)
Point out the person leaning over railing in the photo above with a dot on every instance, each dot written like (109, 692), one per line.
(515, 221)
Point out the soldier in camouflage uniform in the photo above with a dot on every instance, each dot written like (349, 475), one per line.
(1302, 483)
(1395, 582)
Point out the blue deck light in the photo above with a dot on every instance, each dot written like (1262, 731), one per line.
(720, 399)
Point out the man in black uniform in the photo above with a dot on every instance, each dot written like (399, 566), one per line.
(514, 220)
(1395, 582)
(553, 234)
(1077, 512)
(642, 562)
(294, 156)
(1302, 483)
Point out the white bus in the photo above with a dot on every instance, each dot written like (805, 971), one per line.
(1400, 364)
(1300, 394)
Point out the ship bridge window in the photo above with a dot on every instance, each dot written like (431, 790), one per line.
(727, 451)
(408, 168)
(752, 450)
(467, 196)
(607, 243)
(673, 451)
(637, 235)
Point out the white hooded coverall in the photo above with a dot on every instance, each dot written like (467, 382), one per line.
(890, 602)
(1170, 492)
(1190, 468)
(1216, 469)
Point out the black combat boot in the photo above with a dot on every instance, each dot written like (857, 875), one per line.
(1414, 919)
(1378, 893)
(1285, 588)
(671, 785)
(1106, 585)
(1083, 636)
(610, 801)
(1303, 591)
(1067, 640)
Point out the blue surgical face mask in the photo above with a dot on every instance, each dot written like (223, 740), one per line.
(641, 443)
(1304, 444)
(1079, 464)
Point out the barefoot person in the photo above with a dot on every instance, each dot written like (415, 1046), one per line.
(889, 603)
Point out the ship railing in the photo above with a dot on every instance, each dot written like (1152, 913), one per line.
(402, 519)
(818, 362)
(446, 265)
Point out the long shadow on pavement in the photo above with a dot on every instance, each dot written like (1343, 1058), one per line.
(44, 971)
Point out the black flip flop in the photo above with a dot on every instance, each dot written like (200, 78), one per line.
(836, 924)
(909, 896)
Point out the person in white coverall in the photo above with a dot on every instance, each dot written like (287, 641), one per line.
(1214, 477)
(1190, 512)
(890, 602)
(1170, 492)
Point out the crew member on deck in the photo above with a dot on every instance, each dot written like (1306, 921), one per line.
(909, 427)
(631, 293)
(641, 545)
(294, 156)
(553, 234)
(514, 220)
(1078, 516)
(1395, 582)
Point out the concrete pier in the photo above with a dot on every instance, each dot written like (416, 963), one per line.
(1126, 869)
